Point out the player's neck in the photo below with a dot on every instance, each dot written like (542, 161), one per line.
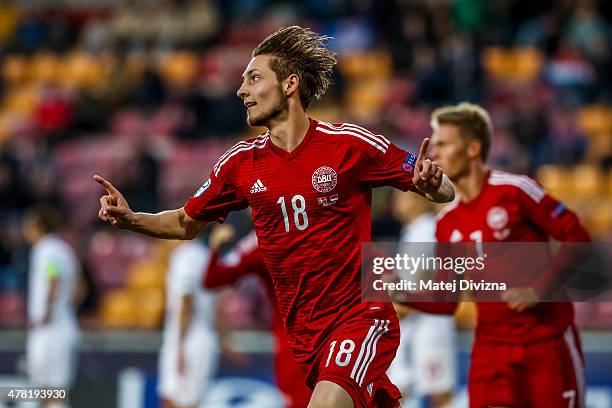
(470, 186)
(289, 132)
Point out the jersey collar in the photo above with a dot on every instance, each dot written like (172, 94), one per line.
(295, 152)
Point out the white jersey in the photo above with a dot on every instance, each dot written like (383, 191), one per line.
(201, 350)
(186, 271)
(52, 257)
(425, 360)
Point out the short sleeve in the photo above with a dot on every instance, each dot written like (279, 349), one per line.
(217, 197)
(390, 166)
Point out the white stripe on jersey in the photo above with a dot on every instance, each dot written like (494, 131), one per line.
(527, 185)
(379, 138)
(361, 377)
(570, 341)
(259, 144)
(364, 344)
(347, 132)
(240, 144)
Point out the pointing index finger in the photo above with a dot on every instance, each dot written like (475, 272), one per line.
(106, 184)
(423, 150)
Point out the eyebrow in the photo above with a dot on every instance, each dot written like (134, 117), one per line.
(249, 72)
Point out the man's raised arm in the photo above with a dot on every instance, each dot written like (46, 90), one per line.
(171, 224)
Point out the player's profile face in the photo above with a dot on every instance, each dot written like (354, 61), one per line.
(449, 149)
(261, 92)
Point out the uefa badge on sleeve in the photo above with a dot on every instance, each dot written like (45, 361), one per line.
(409, 162)
(202, 189)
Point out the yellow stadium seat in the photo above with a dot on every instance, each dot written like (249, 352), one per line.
(117, 309)
(179, 68)
(21, 100)
(45, 68)
(599, 219)
(14, 69)
(556, 180)
(588, 180)
(149, 307)
(526, 64)
(595, 120)
(497, 62)
(83, 70)
(146, 274)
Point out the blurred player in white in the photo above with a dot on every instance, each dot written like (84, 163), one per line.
(54, 333)
(425, 364)
(190, 350)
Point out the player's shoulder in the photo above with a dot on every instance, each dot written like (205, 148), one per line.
(239, 151)
(516, 183)
(354, 136)
(447, 212)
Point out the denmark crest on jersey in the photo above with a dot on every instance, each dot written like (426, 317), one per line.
(497, 218)
(324, 179)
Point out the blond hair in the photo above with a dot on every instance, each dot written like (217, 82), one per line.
(472, 120)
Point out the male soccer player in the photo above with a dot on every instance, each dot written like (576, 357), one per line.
(309, 185)
(526, 353)
(245, 259)
(425, 363)
(54, 332)
(190, 352)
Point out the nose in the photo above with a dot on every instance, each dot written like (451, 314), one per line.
(241, 92)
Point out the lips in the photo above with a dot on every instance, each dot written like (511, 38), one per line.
(249, 104)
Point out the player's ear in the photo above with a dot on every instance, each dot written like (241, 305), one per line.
(474, 148)
(291, 84)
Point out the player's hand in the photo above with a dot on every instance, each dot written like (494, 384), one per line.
(427, 174)
(520, 299)
(221, 235)
(114, 209)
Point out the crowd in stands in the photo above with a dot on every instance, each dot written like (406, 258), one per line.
(143, 92)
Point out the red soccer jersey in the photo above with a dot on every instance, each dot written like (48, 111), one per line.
(513, 208)
(311, 212)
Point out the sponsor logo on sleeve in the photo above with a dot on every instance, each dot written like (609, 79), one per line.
(409, 162)
(202, 189)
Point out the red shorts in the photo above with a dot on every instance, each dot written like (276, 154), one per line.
(546, 374)
(356, 357)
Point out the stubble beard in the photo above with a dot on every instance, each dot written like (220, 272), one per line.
(278, 112)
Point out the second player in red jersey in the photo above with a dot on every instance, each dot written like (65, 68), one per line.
(245, 259)
(309, 185)
(526, 353)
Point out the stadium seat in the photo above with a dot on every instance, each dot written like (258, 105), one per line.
(595, 120)
(556, 180)
(45, 68)
(117, 309)
(588, 180)
(179, 68)
(14, 69)
(146, 274)
(149, 307)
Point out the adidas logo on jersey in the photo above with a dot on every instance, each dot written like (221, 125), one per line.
(258, 187)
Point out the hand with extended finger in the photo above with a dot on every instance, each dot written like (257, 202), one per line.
(427, 174)
(114, 209)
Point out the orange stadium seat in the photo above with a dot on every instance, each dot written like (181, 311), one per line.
(14, 69)
(595, 120)
(83, 70)
(45, 68)
(556, 180)
(588, 181)
(146, 274)
(599, 219)
(117, 309)
(149, 307)
(21, 100)
(179, 68)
